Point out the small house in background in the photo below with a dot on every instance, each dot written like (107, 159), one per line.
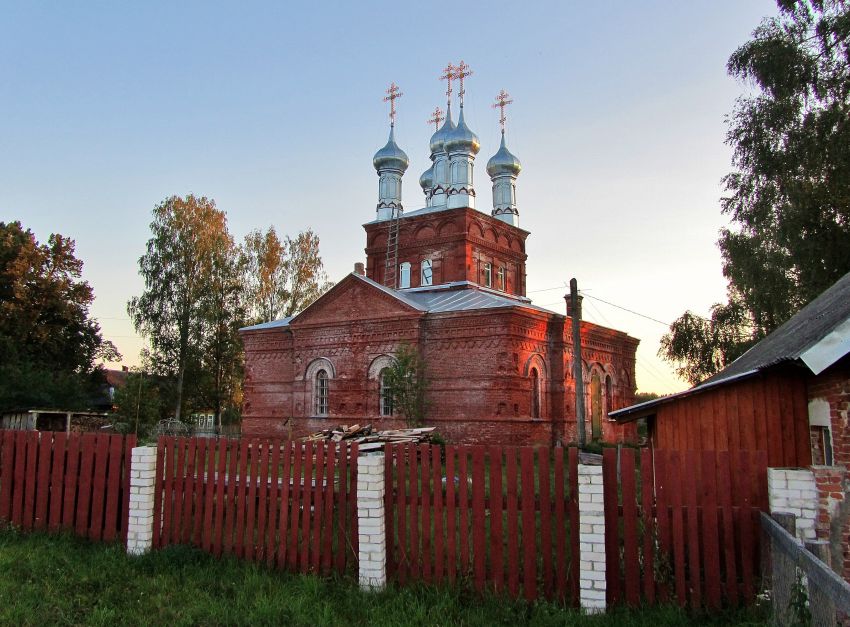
(789, 395)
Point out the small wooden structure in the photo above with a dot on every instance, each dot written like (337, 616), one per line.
(783, 396)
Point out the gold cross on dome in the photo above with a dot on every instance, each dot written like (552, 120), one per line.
(436, 118)
(448, 76)
(502, 101)
(392, 93)
(461, 72)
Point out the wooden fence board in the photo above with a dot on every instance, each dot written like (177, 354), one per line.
(678, 528)
(84, 496)
(99, 486)
(112, 510)
(437, 512)
(545, 499)
(57, 482)
(496, 534)
(561, 532)
(209, 484)
(198, 493)
(327, 530)
(649, 526)
(425, 509)
(479, 550)
(451, 520)
(7, 474)
(69, 494)
(220, 504)
(573, 580)
(630, 520)
(45, 451)
(529, 527)
(708, 498)
(513, 521)
(30, 479)
(612, 522)
(342, 539)
(463, 492)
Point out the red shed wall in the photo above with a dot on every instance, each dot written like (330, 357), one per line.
(765, 412)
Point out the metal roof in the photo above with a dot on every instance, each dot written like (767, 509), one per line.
(818, 335)
(440, 299)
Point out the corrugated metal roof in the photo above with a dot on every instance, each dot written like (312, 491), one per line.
(467, 299)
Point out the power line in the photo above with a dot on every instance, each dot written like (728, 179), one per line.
(631, 311)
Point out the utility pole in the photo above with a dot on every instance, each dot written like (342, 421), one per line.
(574, 312)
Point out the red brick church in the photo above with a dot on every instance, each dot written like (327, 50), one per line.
(450, 280)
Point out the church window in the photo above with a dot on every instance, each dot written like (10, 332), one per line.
(427, 273)
(500, 279)
(596, 406)
(488, 275)
(386, 393)
(320, 393)
(404, 274)
(535, 393)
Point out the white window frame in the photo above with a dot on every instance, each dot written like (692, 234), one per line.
(404, 275)
(429, 278)
(488, 274)
(385, 398)
(320, 393)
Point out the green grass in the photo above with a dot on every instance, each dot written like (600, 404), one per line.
(47, 580)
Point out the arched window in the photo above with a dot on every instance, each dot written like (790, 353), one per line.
(320, 393)
(596, 406)
(535, 393)
(427, 273)
(404, 274)
(609, 395)
(386, 393)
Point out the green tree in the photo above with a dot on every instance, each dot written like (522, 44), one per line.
(281, 277)
(188, 238)
(223, 313)
(140, 404)
(788, 196)
(408, 383)
(48, 342)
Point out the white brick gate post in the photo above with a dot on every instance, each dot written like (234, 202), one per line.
(140, 521)
(370, 520)
(591, 518)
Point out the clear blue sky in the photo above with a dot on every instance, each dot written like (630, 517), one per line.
(274, 110)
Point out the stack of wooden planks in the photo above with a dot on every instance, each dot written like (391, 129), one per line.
(370, 439)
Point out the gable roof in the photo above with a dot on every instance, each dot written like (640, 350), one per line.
(817, 336)
(431, 301)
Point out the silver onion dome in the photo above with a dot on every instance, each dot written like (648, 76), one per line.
(438, 139)
(391, 156)
(503, 162)
(426, 181)
(461, 139)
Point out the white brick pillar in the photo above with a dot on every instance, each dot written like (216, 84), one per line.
(591, 518)
(795, 491)
(370, 521)
(140, 522)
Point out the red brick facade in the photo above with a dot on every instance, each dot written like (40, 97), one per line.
(481, 362)
(833, 523)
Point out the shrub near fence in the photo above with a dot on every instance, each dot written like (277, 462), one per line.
(504, 518)
(289, 504)
(77, 482)
(687, 527)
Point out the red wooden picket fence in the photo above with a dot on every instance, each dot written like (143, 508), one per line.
(55, 481)
(291, 505)
(505, 518)
(683, 526)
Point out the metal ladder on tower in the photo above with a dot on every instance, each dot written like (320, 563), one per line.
(391, 266)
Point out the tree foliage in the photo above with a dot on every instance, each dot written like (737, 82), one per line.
(141, 403)
(281, 277)
(408, 383)
(189, 250)
(788, 196)
(48, 342)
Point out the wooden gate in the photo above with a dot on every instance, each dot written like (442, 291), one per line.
(683, 527)
(504, 518)
(289, 504)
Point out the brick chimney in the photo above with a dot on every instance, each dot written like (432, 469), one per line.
(359, 268)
